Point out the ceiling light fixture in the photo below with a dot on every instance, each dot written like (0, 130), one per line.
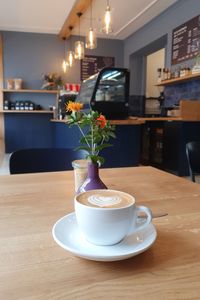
(79, 45)
(91, 39)
(70, 53)
(107, 19)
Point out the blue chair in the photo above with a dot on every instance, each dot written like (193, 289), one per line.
(43, 160)
(193, 158)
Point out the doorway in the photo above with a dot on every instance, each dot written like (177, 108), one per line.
(138, 65)
(154, 61)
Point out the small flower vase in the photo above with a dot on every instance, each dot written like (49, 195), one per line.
(93, 181)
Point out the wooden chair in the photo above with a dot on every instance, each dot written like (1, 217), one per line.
(193, 157)
(43, 160)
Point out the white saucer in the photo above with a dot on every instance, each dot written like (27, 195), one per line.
(66, 233)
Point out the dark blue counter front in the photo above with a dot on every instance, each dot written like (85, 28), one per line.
(36, 130)
(125, 151)
(27, 130)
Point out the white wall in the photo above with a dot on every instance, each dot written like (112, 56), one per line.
(154, 61)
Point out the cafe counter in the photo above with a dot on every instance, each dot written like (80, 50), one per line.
(159, 142)
(155, 141)
(125, 151)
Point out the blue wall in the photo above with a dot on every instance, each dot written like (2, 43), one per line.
(140, 44)
(177, 14)
(30, 55)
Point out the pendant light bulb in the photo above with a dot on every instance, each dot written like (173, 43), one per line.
(91, 39)
(70, 53)
(70, 58)
(79, 50)
(79, 45)
(64, 66)
(107, 20)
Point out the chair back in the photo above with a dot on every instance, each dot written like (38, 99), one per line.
(43, 160)
(193, 157)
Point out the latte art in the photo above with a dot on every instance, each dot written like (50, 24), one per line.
(103, 201)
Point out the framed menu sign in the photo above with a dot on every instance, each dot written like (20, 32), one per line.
(186, 41)
(91, 65)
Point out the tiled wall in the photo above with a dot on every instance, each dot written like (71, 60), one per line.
(181, 91)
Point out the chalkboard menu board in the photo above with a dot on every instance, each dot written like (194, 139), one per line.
(91, 65)
(186, 41)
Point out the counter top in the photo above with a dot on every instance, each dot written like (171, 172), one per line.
(167, 119)
(129, 121)
(160, 119)
(134, 120)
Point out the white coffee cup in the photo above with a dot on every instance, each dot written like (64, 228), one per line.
(105, 217)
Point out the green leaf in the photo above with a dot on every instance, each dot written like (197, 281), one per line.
(101, 147)
(112, 134)
(96, 159)
(83, 140)
(101, 160)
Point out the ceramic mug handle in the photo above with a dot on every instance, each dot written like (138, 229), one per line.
(147, 212)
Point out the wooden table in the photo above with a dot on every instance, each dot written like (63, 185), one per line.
(33, 266)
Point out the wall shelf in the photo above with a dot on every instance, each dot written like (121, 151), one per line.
(6, 92)
(27, 111)
(179, 79)
(31, 91)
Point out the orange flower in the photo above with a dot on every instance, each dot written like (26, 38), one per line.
(101, 121)
(74, 106)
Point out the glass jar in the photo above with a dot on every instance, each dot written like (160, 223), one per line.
(10, 83)
(18, 83)
(80, 172)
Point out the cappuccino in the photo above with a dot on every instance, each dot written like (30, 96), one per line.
(105, 199)
(105, 217)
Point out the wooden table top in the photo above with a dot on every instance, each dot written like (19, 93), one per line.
(33, 266)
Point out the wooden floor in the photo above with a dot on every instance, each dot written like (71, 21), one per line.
(1, 151)
(4, 164)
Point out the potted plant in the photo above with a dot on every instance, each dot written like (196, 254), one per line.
(96, 131)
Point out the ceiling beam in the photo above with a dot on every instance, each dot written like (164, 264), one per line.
(72, 19)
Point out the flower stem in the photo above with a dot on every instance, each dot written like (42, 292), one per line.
(83, 135)
(102, 141)
(92, 142)
(101, 144)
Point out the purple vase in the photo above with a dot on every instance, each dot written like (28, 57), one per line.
(93, 181)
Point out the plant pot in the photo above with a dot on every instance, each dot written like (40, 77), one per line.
(93, 181)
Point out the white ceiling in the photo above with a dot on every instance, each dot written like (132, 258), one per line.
(47, 16)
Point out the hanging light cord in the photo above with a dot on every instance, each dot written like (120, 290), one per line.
(79, 14)
(90, 13)
(64, 39)
(70, 28)
(79, 28)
